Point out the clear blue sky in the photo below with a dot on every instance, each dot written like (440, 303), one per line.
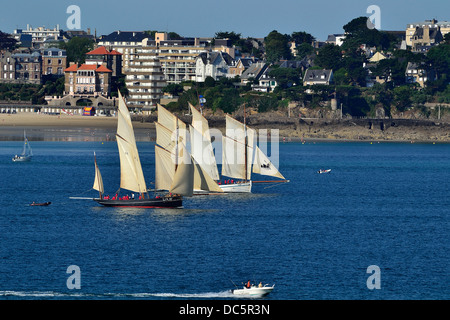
(203, 18)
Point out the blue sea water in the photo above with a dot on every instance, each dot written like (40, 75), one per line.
(383, 204)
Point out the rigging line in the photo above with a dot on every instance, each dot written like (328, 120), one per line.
(85, 192)
(271, 186)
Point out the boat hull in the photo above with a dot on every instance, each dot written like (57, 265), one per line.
(253, 291)
(166, 202)
(245, 187)
(41, 204)
(21, 159)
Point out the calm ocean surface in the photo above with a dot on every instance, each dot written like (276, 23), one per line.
(383, 204)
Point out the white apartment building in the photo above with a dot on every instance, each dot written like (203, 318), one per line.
(144, 79)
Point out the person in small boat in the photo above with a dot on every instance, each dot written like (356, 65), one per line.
(248, 285)
(260, 285)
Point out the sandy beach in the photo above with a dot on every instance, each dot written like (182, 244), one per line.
(45, 120)
(290, 129)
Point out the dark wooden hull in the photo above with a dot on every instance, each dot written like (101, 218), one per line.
(40, 204)
(166, 202)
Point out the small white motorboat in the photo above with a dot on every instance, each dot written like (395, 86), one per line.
(324, 171)
(254, 291)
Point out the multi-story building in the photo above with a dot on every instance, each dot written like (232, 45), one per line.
(411, 29)
(125, 42)
(54, 61)
(40, 35)
(88, 79)
(178, 57)
(20, 67)
(145, 79)
(110, 59)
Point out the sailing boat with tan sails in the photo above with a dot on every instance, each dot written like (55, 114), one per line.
(240, 155)
(171, 144)
(131, 174)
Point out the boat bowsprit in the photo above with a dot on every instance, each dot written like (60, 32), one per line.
(254, 291)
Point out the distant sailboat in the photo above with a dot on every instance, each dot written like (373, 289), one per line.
(131, 174)
(241, 156)
(26, 154)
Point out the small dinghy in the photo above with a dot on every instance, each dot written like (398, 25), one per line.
(324, 171)
(42, 204)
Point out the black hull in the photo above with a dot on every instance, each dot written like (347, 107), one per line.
(166, 202)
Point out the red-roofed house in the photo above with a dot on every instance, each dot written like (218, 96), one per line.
(91, 79)
(110, 59)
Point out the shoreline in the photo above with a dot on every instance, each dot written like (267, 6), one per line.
(290, 129)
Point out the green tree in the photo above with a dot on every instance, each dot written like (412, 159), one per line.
(285, 77)
(76, 49)
(174, 89)
(7, 42)
(329, 57)
(402, 99)
(234, 37)
(302, 37)
(303, 50)
(277, 47)
(358, 33)
(440, 59)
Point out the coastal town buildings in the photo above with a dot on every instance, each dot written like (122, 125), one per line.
(124, 42)
(40, 35)
(419, 73)
(424, 32)
(111, 59)
(214, 65)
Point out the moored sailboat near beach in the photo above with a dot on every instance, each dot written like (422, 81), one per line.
(131, 174)
(26, 154)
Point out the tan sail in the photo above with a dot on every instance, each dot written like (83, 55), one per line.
(171, 122)
(131, 174)
(183, 180)
(164, 169)
(199, 122)
(202, 152)
(234, 155)
(202, 180)
(98, 181)
(264, 166)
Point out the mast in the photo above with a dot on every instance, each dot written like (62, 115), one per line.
(245, 143)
